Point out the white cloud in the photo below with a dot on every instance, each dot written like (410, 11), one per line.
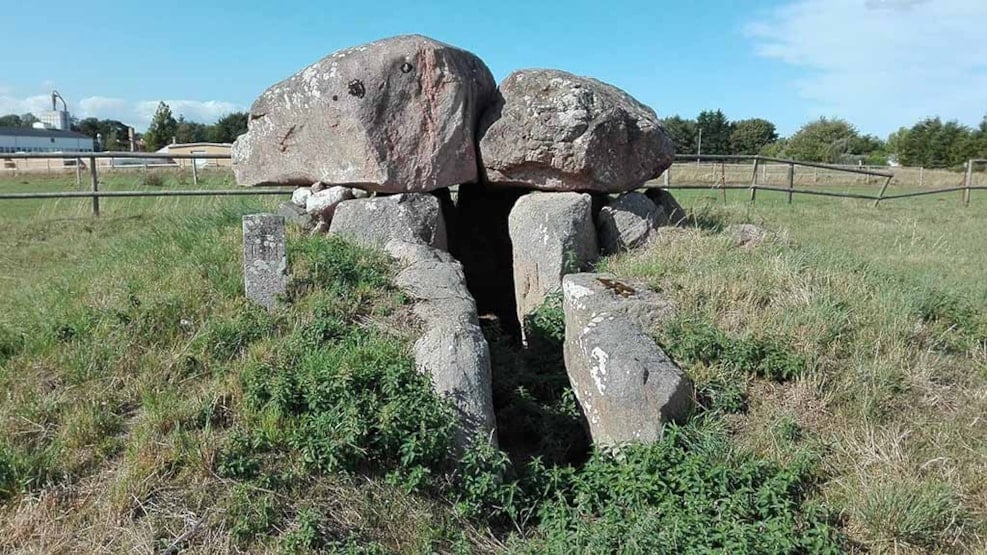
(137, 114)
(882, 63)
(202, 111)
(13, 105)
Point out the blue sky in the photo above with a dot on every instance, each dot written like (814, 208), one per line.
(879, 63)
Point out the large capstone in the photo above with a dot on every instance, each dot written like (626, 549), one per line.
(395, 115)
(557, 131)
(372, 222)
(627, 386)
(552, 234)
(451, 349)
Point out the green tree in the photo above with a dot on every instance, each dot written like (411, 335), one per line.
(112, 132)
(980, 136)
(683, 133)
(934, 144)
(716, 130)
(10, 120)
(825, 140)
(228, 128)
(750, 136)
(189, 131)
(28, 119)
(163, 127)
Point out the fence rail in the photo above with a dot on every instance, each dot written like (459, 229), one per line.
(736, 162)
(95, 194)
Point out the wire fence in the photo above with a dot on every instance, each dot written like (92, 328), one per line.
(709, 172)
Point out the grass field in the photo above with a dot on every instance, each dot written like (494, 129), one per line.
(841, 367)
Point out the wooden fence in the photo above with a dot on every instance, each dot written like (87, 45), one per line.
(716, 172)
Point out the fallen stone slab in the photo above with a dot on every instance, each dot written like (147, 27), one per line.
(553, 130)
(452, 349)
(626, 385)
(373, 222)
(395, 115)
(552, 234)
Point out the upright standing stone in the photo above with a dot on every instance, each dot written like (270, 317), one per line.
(265, 265)
(552, 234)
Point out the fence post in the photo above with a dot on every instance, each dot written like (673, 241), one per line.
(78, 172)
(754, 182)
(668, 176)
(95, 185)
(195, 172)
(969, 182)
(883, 189)
(921, 176)
(791, 181)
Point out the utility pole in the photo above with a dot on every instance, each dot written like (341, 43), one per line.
(699, 152)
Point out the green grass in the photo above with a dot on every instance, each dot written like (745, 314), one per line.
(876, 322)
(841, 391)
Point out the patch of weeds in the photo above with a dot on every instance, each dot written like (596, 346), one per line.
(720, 389)
(151, 179)
(11, 343)
(354, 401)
(251, 514)
(225, 339)
(306, 534)
(951, 320)
(10, 473)
(693, 341)
(923, 515)
(788, 430)
(537, 412)
(486, 487)
(708, 217)
(687, 493)
(333, 264)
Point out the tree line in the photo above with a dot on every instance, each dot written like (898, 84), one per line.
(931, 142)
(163, 130)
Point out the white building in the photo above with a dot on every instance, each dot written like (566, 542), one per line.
(29, 139)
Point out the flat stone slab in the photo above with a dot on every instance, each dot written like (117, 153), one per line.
(452, 349)
(627, 386)
(265, 264)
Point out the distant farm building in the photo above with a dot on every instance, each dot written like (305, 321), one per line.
(200, 148)
(29, 139)
(15, 140)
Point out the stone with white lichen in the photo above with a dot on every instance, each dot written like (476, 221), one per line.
(395, 115)
(627, 386)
